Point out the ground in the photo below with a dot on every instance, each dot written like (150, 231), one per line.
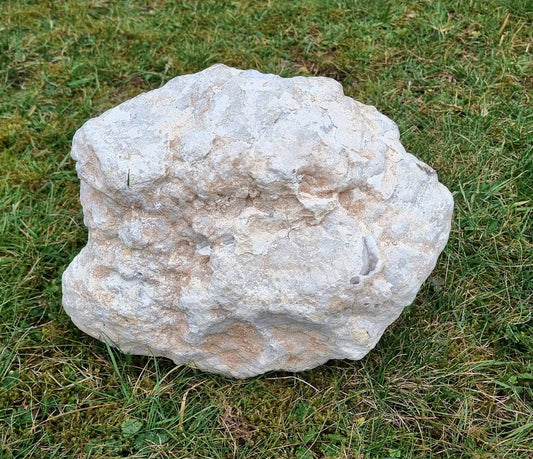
(451, 378)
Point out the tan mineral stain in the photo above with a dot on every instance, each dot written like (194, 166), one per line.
(236, 345)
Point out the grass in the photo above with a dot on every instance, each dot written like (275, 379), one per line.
(451, 378)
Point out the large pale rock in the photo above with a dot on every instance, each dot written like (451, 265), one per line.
(243, 222)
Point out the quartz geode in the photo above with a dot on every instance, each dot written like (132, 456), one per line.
(242, 222)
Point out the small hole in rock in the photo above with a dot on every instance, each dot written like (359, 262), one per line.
(370, 258)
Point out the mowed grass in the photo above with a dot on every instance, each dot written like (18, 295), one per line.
(451, 378)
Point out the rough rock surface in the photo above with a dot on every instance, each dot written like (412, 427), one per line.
(243, 222)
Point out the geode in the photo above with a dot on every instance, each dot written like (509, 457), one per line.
(241, 222)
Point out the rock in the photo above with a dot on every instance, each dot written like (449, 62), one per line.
(242, 222)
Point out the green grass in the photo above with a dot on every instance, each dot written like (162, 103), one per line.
(451, 378)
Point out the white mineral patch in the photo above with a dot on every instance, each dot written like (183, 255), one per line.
(242, 222)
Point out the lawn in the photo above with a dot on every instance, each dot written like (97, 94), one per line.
(451, 378)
